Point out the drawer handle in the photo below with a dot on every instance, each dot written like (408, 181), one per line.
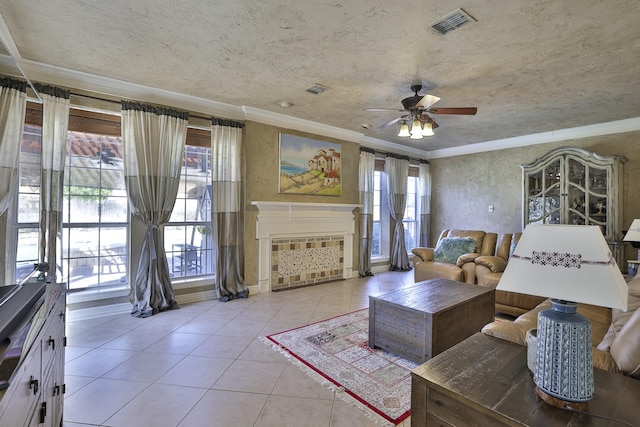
(56, 390)
(33, 384)
(52, 342)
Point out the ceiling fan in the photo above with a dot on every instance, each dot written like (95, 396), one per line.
(417, 107)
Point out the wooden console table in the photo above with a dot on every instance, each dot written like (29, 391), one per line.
(485, 381)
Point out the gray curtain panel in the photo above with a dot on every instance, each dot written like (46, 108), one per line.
(13, 103)
(424, 204)
(55, 124)
(227, 219)
(397, 172)
(365, 182)
(153, 140)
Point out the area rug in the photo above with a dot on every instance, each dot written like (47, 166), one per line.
(335, 352)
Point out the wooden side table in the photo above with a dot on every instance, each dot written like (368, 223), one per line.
(484, 381)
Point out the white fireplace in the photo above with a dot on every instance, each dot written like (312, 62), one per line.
(302, 244)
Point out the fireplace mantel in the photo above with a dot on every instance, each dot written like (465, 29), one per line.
(294, 220)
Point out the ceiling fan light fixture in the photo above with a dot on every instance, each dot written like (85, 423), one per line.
(427, 129)
(404, 129)
(416, 128)
(416, 135)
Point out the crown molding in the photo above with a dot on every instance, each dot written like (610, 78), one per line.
(282, 120)
(598, 129)
(106, 86)
(7, 39)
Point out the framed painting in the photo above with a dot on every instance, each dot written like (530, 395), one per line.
(309, 166)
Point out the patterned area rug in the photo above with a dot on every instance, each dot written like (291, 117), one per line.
(336, 353)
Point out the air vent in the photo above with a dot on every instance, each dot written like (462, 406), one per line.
(452, 21)
(317, 89)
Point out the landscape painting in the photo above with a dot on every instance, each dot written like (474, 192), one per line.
(308, 166)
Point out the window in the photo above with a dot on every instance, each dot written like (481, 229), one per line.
(96, 209)
(28, 205)
(375, 244)
(382, 218)
(409, 221)
(95, 213)
(187, 237)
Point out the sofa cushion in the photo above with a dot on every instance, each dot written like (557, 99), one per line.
(425, 254)
(625, 349)
(450, 248)
(619, 318)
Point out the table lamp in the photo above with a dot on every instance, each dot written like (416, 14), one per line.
(633, 235)
(570, 264)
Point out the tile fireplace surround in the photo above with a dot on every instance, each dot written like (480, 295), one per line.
(302, 244)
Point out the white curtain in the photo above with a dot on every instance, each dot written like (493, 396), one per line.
(227, 219)
(13, 103)
(365, 183)
(424, 204)
(55, 124)
(153, 140)
(397, 172)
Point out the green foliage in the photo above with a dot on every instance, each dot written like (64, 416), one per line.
(87, 193)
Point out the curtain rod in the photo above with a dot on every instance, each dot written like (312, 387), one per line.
(386, 153)
(119, 103)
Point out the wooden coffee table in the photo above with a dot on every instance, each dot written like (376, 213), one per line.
(421, 320)
(484, 381)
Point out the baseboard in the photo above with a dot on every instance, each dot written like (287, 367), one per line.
(192, 297)
(101, 311)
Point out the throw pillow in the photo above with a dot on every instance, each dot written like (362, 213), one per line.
(450, 248)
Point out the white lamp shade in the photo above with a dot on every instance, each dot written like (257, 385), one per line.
(404, 129)
(427, 129)
(416, 128)
(633, 235)
(565, 262)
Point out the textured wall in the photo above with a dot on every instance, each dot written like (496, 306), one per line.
(465, 186)
(261, 145)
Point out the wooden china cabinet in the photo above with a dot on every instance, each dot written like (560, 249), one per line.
(570, 185)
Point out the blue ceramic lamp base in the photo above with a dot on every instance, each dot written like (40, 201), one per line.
(564, 371)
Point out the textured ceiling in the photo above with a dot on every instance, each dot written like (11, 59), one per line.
(528, 66)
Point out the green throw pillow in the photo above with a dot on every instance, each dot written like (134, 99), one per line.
(450, 248)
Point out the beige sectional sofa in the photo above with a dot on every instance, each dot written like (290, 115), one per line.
(615, 334)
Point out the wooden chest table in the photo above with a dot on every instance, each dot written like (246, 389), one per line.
(421, 320)
(484, 381)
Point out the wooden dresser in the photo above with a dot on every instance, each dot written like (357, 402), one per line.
(32, 364)
(484, 381)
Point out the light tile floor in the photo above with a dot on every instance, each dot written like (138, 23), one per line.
(204, 365)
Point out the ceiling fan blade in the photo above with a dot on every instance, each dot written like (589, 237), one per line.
(386, 125)
(427, 101)
(469, 111)
(382, 109)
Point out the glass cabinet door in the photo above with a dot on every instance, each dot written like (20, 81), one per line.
(576, 199)
(597, 198)
(545, 195)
